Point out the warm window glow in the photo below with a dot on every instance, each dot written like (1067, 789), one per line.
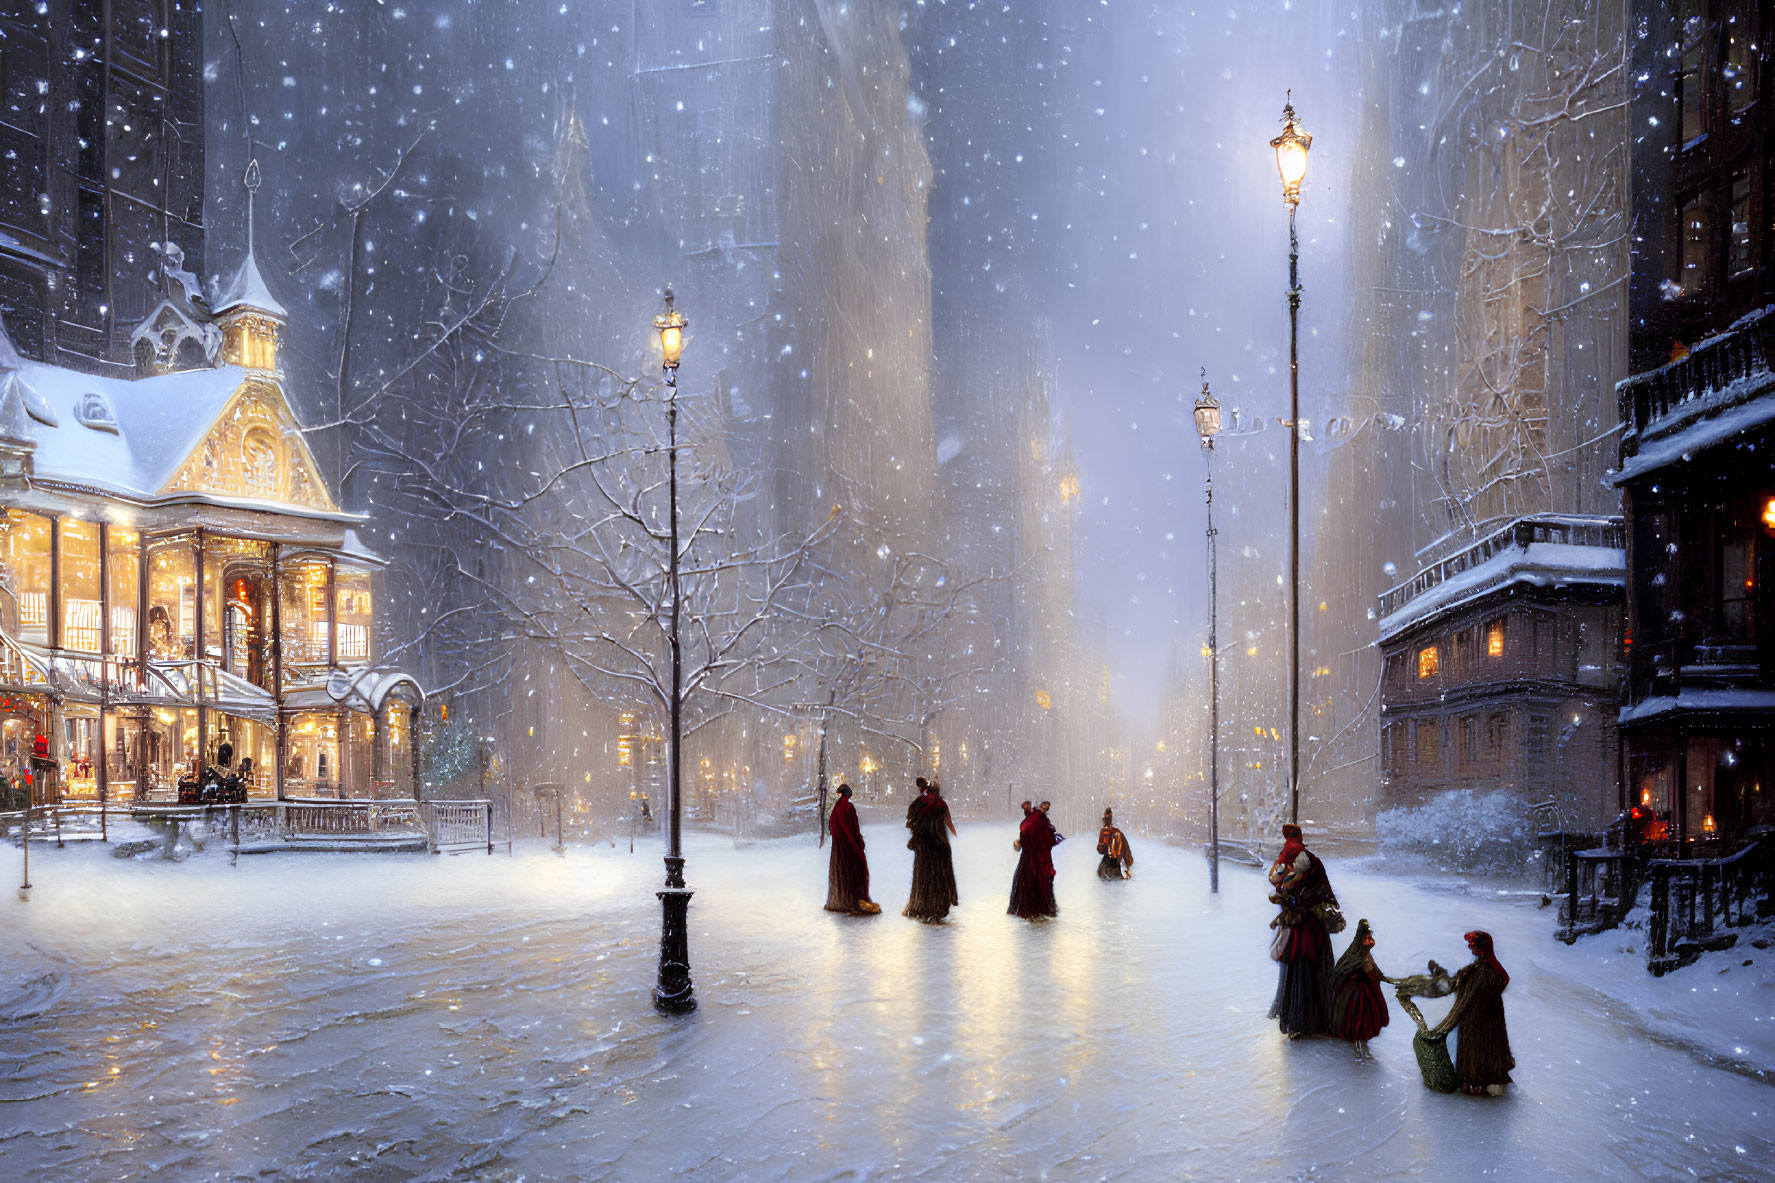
(1769, 513)
(1043, 699)
(1494, 639)
(1428, 662)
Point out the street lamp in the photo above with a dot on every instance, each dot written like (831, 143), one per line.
(1207, 427)
(1291, 162)
(674, 991)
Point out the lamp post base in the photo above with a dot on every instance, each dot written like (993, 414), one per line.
(674, 994)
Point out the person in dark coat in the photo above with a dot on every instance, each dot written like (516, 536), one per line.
(933, 866)
(1482, 1046)
(1358, 1008)
(1118, 858)
(1302, 943)
(1032, 886)
(847, 875)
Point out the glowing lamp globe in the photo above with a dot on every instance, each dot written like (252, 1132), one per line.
(1207, 417)
(1291, 154)
(670, 325)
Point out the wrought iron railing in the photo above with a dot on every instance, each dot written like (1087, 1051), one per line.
(458, 825)
(1708, 378)
(1555, 528)
(1692, 899)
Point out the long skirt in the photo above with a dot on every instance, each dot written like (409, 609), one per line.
(1364, 1008)
(933, 883)
(1482, 1047)
(847, 883)
(1303, 982)
(1032, 893)
(1109, 868)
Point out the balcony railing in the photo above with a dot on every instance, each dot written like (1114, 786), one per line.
(1553, 528)
(1709, 378)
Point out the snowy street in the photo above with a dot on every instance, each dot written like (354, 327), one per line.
(488, 1018)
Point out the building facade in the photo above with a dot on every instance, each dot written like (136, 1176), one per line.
(1695, 472)
(175, 576)
(1500, 672)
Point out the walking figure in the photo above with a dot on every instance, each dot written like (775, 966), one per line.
(1032, 886)
(933, 866)
(1302, 944)
(1358, 1008)
(1112, 844)
(847, 874)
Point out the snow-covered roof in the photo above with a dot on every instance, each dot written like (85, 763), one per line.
(249, 291)
(354, 548)
(1745, 408)
(134, 437)
(1701, 700)
(363, 689)
(1537, 564)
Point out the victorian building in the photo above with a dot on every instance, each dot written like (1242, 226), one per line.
(175, 575)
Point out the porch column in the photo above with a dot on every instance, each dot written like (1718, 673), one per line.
(413, 748)
(55, 582)
(141, 611)
(341, 726)
(277, 665)
(198, 645)
(332, 616)
(102, 758)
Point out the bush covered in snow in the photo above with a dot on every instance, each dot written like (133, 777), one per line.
(1462, 829)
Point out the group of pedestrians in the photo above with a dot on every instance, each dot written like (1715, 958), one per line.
(930, 827)
(1315, 993)
(1316, 996)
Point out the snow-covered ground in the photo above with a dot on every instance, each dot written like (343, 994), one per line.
(336, 1016)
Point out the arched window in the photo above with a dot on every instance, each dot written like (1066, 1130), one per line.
(259, 467)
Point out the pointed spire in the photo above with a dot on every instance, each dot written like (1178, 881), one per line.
(248, 289)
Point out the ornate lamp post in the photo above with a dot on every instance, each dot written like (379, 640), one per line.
(1291, 162)
(674, 991)
(1207, 427)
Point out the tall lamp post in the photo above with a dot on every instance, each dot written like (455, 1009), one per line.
(1207, 427)
(674, 992)
(1291, 162)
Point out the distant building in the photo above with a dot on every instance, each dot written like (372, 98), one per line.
(1500, 671)
(101, 168)
(1697, 447)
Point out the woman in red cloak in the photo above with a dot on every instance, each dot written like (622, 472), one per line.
(847, 875)
(1302, 944)
(1032, 887)
(1358, 1008)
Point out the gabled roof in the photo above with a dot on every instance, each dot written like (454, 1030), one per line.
(158, 422)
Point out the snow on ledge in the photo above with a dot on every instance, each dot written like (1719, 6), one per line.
(1747, 408)
(1722, 700)
(1539, 564)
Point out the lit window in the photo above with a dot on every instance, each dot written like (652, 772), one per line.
(258, 455)
(1494, 639)
(1428, 662)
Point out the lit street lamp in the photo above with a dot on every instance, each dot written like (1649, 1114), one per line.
(674, 991)
(1207, 427)
(1291, 162)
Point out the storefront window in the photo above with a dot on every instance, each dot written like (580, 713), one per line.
(24, 604)
(356, 772)
(255, 751)
(122, 555)
(80, 754)
(1725, 786)
(124, 756)
(312, 769)
(304, 613)
(354, 616)
(172, 598)
(81, 627)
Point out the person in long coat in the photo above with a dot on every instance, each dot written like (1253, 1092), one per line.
(1032, 886)
(1112, 844)
(933, 866)
(1302, 942)
(847, 874)
(1358, 1008)
(1482, 1040)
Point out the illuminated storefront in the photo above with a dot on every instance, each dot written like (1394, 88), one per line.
(175, 576)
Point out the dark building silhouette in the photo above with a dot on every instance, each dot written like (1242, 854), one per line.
(1698, 426)
(101, 166)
